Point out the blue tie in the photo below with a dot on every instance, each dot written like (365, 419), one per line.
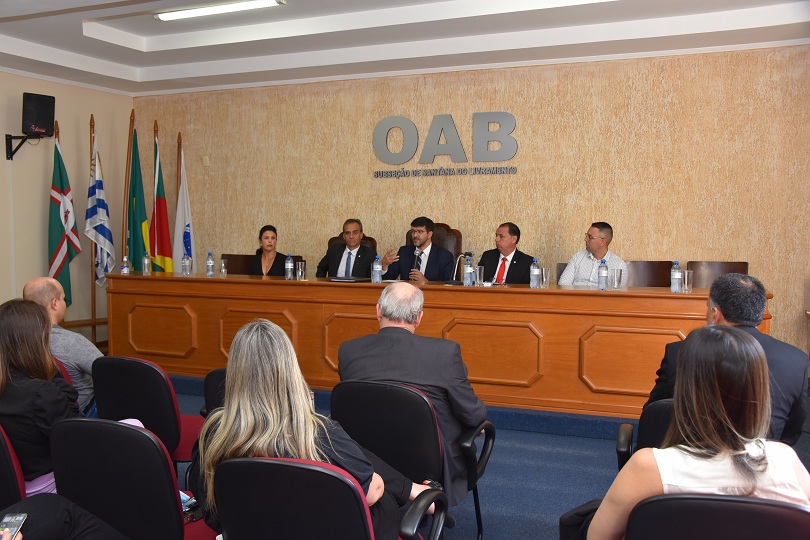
(348, 270)
(419, 261)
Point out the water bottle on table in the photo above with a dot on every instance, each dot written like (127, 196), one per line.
(376, 270)
(469, 273)
(534, 274)
(146, 264)
(675, 277)
(126, 268)
(209, 265)
(185, 266)
(602, 279)
(289, 268)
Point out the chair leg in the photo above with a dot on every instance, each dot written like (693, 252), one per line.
(478, 519)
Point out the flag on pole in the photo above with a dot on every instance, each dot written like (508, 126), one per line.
(97, 220)
(159, 230)
(63, 237)
(183, 229)
(137, 226)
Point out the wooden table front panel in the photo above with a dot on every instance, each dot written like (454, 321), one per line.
(559, 349)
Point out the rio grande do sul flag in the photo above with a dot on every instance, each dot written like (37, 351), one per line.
(159, 230)
(63, 237)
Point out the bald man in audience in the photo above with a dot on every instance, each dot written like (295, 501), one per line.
(75, 351)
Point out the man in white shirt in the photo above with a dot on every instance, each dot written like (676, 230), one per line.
(583, 267)
(351, 259)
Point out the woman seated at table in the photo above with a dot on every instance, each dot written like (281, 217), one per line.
(715, 444)
(267, 261)
(32, 396)
(268, 412)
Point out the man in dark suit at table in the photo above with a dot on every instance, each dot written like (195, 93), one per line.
(506, 263)
(739, 300)
(349, 258)
(423, 261)
(433, 365)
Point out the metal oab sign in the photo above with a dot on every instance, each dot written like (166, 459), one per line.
(488, 127)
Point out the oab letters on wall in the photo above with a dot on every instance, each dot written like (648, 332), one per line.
(483, 133)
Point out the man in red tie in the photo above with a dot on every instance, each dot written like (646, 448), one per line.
(506, 263)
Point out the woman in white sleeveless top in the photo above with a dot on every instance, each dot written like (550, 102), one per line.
(715, 443)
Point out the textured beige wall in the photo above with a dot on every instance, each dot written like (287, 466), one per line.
(25, 182)
(701, 157)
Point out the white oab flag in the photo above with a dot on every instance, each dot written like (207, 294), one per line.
(183, 229)
(97, 220)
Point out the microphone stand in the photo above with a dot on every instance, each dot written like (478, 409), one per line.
(454, 281)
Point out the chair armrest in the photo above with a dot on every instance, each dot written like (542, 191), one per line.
(418, 509)
(624, 442)
(477, 465)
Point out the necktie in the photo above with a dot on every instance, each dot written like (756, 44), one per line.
(347, 272)
(419, 261)
(501, 271)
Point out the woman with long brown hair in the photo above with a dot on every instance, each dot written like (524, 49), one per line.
(716, 441)
(32, 396)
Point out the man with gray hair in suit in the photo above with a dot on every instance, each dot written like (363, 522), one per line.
(433, 365)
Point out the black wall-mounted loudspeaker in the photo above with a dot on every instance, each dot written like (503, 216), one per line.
(37, 115)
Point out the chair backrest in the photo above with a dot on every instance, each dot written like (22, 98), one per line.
(444, 236)
(411, 444)
(214, 389)
(240, 264)
(12, 483)
(708, 517)
(237, 264)
(136, 388)
(648, 273)
(289, 498)
(367, 241)
(653, 424)
(560, 269)
(120, 473)
(705, 272)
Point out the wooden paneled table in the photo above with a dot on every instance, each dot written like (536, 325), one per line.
(564, 349)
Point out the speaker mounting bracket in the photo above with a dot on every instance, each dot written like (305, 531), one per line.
(9, 143)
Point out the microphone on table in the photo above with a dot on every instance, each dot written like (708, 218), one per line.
(471, 255)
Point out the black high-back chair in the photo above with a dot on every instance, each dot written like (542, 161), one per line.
(213, 390)
(705, 272)
(648, 273)
(367, 241)
(305, 500)
(652, 428)
(123, 475)
(12, 482)
(136, 388)
(709, 517)
(412, 443)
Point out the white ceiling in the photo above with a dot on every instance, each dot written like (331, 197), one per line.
(120, 45)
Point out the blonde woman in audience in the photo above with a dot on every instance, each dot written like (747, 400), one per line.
(716, 442)
(268, 412)
(32, 396)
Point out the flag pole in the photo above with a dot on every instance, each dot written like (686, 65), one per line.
(92, 243)
(179, 151)
(154, 245)
(56, 130)
(126, 185)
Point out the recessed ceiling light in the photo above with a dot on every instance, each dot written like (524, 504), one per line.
(217, 10)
